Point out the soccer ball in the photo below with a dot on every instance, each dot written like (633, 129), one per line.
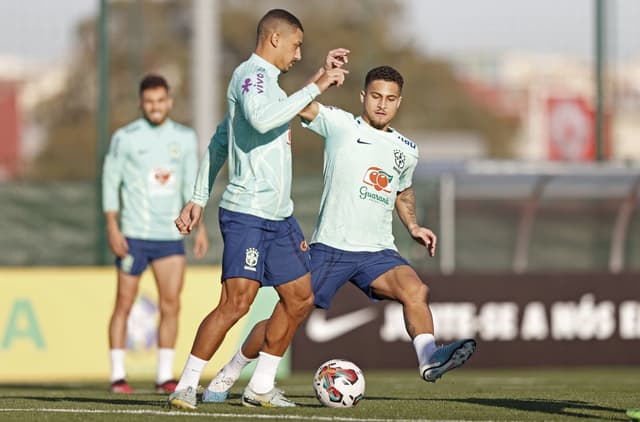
(339, 383)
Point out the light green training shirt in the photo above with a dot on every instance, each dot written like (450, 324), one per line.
(151, 169)
(364, 169)
(256, 139)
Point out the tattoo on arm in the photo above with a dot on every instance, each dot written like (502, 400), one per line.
(406, 206)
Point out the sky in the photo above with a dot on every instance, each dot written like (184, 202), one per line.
(43, 29)
(445, 27)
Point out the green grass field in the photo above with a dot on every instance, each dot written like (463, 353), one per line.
(466, 394)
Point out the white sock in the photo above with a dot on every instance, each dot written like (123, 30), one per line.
(117, 364)
(264, 377)
(425, 345)
(165, 365)
(191, 373)
(234, 367)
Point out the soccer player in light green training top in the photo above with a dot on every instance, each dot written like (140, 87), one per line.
(368, 171)
(263, 243)
(151, 165)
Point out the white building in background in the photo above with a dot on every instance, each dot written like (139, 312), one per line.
(554, 97)
(24, 85)
(625, 90)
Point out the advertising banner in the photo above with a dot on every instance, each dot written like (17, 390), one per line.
(571, 123)
(53, 323)
(517, 320)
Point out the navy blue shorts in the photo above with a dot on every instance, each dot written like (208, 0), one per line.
(331, 268)
(142, 252)
(268, 251)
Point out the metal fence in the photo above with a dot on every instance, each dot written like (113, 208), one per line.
(489, 217)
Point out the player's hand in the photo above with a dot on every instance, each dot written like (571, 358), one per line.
(336, 58)
(201, 244)
(425, 237)
(331, 77)
(117, 243)
(188, 218)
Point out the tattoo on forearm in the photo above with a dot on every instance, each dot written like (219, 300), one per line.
(408, 200)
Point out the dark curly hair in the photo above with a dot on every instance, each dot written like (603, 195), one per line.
(385, 73)
(153, 81)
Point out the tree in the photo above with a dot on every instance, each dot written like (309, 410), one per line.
(155, 36)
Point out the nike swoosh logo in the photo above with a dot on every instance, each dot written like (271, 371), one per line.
(321, 330)
(360, 141)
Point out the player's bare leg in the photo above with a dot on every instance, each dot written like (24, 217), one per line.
(403, 284)
(295, 304)
(218, 389)
(169, 276)
(237, 296)
(126, 293)
(255, 340)
(235, 300)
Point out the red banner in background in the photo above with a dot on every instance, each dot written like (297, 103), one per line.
(571, 130)
(518, 320)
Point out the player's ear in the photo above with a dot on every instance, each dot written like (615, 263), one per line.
(362, 95)
(274, 39)
(170, 102)
(399, 101)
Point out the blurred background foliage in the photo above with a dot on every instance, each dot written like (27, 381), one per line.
(155, 37)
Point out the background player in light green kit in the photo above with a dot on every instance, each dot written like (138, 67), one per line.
(263, 243)
(368, 171)
(151, 165)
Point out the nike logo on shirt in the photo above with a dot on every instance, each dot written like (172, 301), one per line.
(321, 330)
(360, 141)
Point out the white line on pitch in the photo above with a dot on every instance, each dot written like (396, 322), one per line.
(208, 415)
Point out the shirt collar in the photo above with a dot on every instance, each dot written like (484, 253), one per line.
(164, 124)
(362, 122)
(271, 69)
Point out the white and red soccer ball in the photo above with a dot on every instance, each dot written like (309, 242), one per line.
(339, 383)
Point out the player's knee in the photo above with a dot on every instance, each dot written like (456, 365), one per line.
(123, 306)
(417, 294)
(237, 307)
(170, 306)
(306, 306)
(423, 292)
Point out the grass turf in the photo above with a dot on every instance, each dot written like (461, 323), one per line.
(596, 394)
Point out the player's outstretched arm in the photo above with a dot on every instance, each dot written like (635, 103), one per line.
(310, 112)
(406, 209)
(263, 114)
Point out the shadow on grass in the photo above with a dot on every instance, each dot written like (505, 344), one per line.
(115, 401)
(235, 400)
(52, 387)
(573, 408)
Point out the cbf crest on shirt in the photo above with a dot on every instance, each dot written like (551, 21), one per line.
(364, 169)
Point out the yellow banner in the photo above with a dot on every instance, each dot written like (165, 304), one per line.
(54, 322)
